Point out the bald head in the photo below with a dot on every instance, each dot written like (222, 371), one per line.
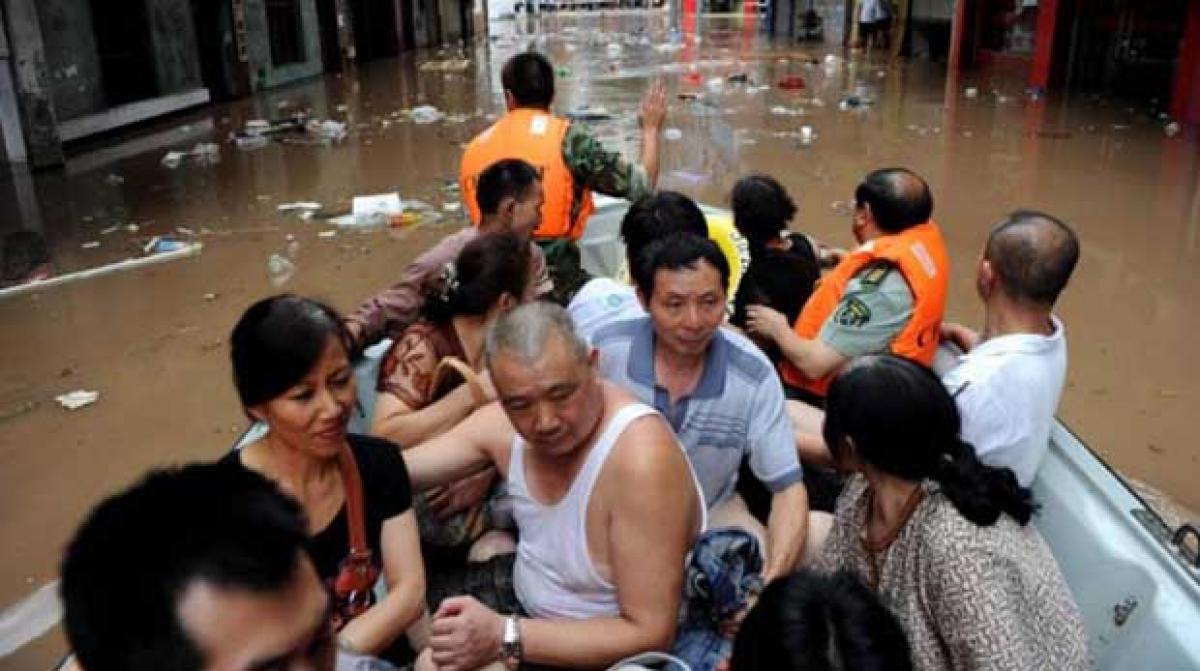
(525, 331)
(899, 199)
(1033, 255)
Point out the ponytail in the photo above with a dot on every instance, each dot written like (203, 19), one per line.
(981, 492)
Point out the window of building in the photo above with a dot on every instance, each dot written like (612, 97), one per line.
(286, 31)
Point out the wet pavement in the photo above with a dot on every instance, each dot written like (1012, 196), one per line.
(152, 342)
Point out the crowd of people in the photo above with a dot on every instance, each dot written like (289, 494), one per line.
(747, 450)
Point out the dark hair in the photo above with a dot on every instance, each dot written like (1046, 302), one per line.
(675, 252)
(488, 267)
(659, 215)
(277, 342)
(506, 178)
(903, 422)
(899, 199)
(762, 209)
(810, 622)
(133, 558)
(529, 77)
(1034, 254)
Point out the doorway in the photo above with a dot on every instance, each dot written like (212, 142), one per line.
(126, 59)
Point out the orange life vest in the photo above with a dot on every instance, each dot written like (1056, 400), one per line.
(534, 136)
(920, 254)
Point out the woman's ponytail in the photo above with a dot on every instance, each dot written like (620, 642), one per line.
(981, 492)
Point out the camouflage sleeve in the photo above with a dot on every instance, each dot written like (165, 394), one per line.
(601, 170)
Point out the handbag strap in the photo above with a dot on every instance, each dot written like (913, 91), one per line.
(355, 518)
(468, 375)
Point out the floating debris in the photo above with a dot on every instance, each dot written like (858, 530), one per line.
(74, 400)
(586, 114)
(971, 93)
(448, 65)
(672, 134)
(426, 114)
(280, 269)
(114, 180)
(92, 244)
(791, 83)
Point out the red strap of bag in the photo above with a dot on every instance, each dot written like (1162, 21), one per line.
(356, 521)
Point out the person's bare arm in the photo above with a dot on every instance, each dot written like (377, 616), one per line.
(398, 422)
(813, 358)
(652, 115)
(807, 424)
(787, 529)
(376, 629)
(473, 444)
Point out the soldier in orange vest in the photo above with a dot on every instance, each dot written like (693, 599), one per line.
(888, 295)
(572, 162)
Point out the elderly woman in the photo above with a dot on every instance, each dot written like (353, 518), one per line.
(292, 372)
(942, 538)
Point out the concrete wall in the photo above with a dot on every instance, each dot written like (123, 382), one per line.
(173, 40)
(263, 73)
(73, 76)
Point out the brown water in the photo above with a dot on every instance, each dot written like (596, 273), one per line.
(152, 341)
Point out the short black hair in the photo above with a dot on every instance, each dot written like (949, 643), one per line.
(529, 77)
(1034, 254)
(130, 562)
(762, 208)
(658, 215)
(898, 197)
(811, 622)
(506, 178)
(488, 267)
(675, 252)
(277, 342)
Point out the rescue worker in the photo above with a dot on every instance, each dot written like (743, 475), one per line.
(888, 295)
(571, 161)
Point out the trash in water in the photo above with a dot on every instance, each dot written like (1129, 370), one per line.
(806, 135)
(791, 83)
(114, 180)
(206, 152)
(688, 96)
(780, 110)
(738, 78)
(971, 93)
(258, 126)
(172, 159)
(306, 208)
(672, 134)
(715, 84)
(210, 297)
(451, 207)
(329, 129)
(1036, 93)
(90, 245)
(586, 114)
(280, 269)
(854, 102)
(74, 400)
(163, 244)
(250, 142)
(110, 230)
(614, 49)
(425, 114)
(327, 234)
(448, 65)
(564, 71)
(1172, 129)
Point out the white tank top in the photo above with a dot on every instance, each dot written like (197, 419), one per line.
(554, 576)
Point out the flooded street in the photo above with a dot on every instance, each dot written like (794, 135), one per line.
(152, 341)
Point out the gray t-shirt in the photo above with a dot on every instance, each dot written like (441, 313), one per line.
(875, 307)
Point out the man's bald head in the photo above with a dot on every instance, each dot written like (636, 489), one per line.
(899, 199)
(1033, 255)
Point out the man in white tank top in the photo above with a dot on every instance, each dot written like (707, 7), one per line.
(605, 502)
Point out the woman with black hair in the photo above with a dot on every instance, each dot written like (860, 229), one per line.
(943, 539)
(292, 372)
(811, 622)
(784, 266)
(434, 376)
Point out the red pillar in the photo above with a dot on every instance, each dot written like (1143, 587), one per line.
(1043, 45)
(1185, 97)
(958, 29)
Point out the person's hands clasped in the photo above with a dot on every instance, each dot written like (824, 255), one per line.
(465, 635)
(766, 322)
(653, 112)
(963, 337)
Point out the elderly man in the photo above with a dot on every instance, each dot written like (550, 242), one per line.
(888, 295)
(509, 194)
(715, 387)
(605, 504)
(572, 163)
(205, 568)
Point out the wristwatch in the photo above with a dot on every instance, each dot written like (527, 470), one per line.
(510, 646)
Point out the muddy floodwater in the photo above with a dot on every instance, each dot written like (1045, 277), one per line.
(153, 342)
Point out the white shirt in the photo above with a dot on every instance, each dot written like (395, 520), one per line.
(1007, 390)
(600, 302)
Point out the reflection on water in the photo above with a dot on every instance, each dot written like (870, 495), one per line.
(153, 341)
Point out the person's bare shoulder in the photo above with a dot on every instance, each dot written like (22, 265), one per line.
(489, 429)
(647, 454)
